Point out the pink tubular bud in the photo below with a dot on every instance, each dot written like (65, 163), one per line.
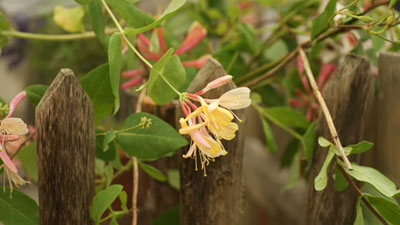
(131, 73)
(325, 74)
(15, 102)
(300, 66)
(296, 103)
(131, 83)
(195, 35)
(144, 39)
(7, 161)
(161, 39)
(215, 83)
(198, 63)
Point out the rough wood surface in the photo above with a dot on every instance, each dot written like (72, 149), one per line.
(349, 96)
(388, 117)
(218, 198)
(65, 152)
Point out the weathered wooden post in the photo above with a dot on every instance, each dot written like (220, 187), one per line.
(349, 96)
(218, 198)
(65, 152)
(388, 118)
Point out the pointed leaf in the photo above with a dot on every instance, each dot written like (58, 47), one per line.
(288, 117)
(361, 147)
(173, 6)
(18, 210)
(269, 136)
(389, 210)
(97, 19)
(130, 13)
(96, 84)
(323, 142)
(110, 136)
(158, 139)
(359, 214)
(168, 69)
(114, 60)
(372, 176)
(320, 23)
(108, 155)
(35, 93)
(103, 200)
(152, 171)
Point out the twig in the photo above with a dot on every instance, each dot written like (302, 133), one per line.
(325, 110)
(285, 60)
(354, 186)
(135, 165)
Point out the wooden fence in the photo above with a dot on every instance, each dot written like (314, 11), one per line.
(66, 149)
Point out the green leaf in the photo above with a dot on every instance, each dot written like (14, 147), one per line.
(152, 171)
(389, 210)
(321, 180)
(173, 6)
(169, 217)
(174, 179)
(288, 117)
(323, 142)
(97, 85)
(340, 181)
(114, 60)
(158, 139)
(130, 13)
(108, 155)
(4, 25)
(97, 19)
(391, 3)
(27, 157)
(269, 136)
(372, 176)
(123, 198)
(309, 142)
(168, 69)
(276, 51)
(19, 209)
(103, 200)
(83, 2)
(320, 23)
(361, 147)
(110, 136)
(35, 93)
(154, 43)
(359, 214)
(69, 19)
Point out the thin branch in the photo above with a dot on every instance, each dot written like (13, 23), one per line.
(325, 110)
(285, 60)
(135, 165)
(354, 186)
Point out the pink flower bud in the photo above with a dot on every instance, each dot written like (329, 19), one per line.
(15, 102)
(215, 83)
(198, 63)
(131, 83)
(161, 39)
(195, 35)
(131, 73)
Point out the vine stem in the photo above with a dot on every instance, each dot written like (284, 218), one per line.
(52, 37)
(354, 186)
(135, 165)
(137, 53)
(324, 107)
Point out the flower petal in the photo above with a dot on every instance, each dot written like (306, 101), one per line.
(237, 98)
(14, 125)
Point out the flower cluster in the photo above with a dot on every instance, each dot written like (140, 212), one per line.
(11, 129)
(212, 121)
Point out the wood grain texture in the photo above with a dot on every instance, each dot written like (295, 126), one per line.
(65, 152)
(349, 96)
(218, 198)
(388, 117)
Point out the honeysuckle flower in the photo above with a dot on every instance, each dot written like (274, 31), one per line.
(212, 121)
(11, 129)
(195, 35)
